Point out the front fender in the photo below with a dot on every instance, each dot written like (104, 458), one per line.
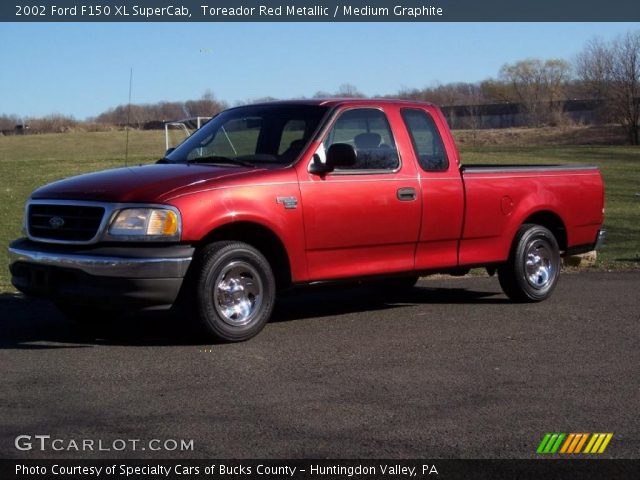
(263, 205)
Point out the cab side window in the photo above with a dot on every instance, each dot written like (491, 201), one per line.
(426, 139)
(368, 132)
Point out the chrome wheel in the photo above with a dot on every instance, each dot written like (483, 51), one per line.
(533, 268)
(238, 293)
(234, 290)
(538, 264)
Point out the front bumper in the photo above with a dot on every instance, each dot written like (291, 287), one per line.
(138, 276)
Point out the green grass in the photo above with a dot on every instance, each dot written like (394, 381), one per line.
(29, 161)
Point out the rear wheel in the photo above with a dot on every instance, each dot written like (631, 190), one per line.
(234, 291)
(531, 273)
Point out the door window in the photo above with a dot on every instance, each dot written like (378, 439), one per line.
(368, 132)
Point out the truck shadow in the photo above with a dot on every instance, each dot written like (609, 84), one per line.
(334, 300)
(33, 324)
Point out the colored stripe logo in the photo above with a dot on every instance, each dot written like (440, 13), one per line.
(572, 443)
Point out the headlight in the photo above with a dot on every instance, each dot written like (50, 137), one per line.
(146, 223)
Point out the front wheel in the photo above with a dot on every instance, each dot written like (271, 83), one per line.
(234, 291)
(531, 273)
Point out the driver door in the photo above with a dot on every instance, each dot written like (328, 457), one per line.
(363, 219)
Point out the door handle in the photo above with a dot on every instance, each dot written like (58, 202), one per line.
(406, 194)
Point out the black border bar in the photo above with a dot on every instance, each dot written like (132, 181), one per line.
(319, 11)
(547, 469)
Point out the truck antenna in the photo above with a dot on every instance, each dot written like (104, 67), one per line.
(126, 146)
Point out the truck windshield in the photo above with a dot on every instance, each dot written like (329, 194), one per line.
(251, 136)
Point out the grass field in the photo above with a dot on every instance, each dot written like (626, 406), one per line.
(29, 161)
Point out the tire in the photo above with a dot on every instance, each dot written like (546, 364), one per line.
(532, 271)
(234, 291)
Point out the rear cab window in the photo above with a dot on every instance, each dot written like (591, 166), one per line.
(427, 142)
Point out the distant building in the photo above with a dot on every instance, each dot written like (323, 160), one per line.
(507, 115)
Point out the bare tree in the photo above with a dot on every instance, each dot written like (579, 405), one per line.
(611, 71)
(207, 105)
(495, 91)
(626, 82)
(594, 66)
(9, 122)
(347, 90)
(473, 99)
(538, 86)
(406, 93)
(139, 115)
(322, 94)
(251, 101)
(54, 123)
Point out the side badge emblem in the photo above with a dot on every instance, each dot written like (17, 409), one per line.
(288, 202)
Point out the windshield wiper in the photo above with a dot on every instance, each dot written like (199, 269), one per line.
(259, 158)
(220, 159)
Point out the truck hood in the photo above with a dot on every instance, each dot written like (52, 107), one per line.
(148, 183)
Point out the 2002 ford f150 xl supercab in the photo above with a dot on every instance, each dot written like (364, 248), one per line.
(269, 196)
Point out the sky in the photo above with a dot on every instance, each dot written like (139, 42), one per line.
(82, 69)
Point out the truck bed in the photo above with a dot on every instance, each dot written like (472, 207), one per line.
(500, 198)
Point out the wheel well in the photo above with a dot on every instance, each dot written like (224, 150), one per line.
(554, 223)
(260, 238)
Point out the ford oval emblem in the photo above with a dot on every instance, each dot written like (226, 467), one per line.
(56, 222)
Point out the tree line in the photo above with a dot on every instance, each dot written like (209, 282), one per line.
(605, 71)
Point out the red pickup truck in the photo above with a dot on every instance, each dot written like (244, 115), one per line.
(266, 197)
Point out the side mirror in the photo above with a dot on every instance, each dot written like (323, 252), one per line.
(341, 155)
(338, 155)
(319, 168)
(169, 150)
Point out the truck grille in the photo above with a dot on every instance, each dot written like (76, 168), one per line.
(68, 223)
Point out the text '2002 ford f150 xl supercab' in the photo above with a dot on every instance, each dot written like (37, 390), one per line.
(269, 196)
